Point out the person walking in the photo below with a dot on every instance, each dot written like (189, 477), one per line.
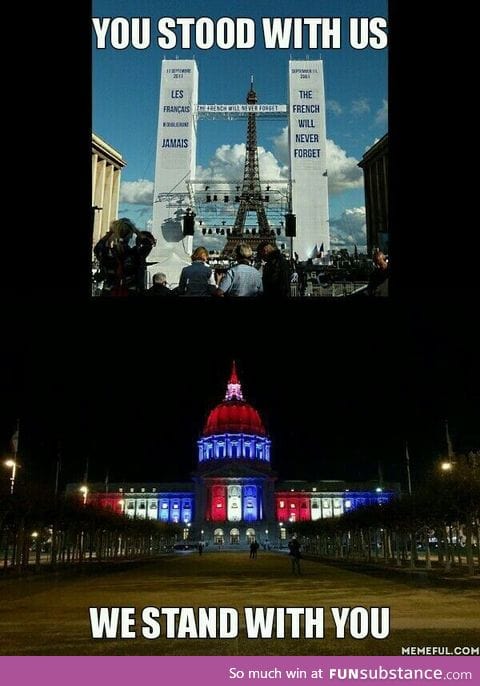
(294, 548)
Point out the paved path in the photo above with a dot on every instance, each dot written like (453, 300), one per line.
(49, 616)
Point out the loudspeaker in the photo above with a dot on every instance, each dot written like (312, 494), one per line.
(290, 225)
(188, 225)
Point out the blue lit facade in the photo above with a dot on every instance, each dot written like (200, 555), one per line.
(235, 497)
(232, 447)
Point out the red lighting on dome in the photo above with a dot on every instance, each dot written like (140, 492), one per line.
(234, 415)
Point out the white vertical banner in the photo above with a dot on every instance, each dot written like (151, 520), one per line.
(308, 161)
(175, 166)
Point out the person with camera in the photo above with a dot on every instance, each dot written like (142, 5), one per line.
(121, 255)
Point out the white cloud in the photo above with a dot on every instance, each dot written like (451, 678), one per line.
(229, 161)
(360, 106)
(343, 172)
(349, 229)
(137, 192)
(381, 116)
(334, 106)
(213, 242)
(280, 145)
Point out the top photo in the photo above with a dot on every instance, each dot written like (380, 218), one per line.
(240, 156)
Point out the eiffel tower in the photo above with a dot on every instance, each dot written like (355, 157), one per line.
(251, 199)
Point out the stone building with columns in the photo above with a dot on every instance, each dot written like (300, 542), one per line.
(235, 498)
(107, 165)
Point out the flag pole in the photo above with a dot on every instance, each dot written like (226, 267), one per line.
(407, 459)
(13, 463)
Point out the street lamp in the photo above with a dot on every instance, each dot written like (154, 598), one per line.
(13, 465)
(84, 490)
(446, 466)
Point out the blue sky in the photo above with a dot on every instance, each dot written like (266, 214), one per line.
(126, 92)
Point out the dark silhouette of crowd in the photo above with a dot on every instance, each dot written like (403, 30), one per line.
(122, 269)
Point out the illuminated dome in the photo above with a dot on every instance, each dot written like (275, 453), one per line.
(234, 415)
(234, 429)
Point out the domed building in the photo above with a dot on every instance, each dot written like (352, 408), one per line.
(235, 497)
(234, 482)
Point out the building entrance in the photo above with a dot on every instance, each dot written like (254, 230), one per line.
(218, 537)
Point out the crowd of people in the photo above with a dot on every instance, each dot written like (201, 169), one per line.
(122, 259)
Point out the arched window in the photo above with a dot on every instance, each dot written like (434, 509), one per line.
(234, 536)
(218, 537)
(250, 535)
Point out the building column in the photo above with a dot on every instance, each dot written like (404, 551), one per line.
(94, 176)
(107, 199)
(98, 199)
(115, 193)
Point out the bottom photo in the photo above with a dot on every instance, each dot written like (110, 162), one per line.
(295, 495)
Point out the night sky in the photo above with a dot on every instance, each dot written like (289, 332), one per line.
(339, 385)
